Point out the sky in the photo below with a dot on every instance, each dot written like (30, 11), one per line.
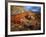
(33, 8)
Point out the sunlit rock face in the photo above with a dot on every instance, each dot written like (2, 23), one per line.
(27, 21)
(22, 20)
